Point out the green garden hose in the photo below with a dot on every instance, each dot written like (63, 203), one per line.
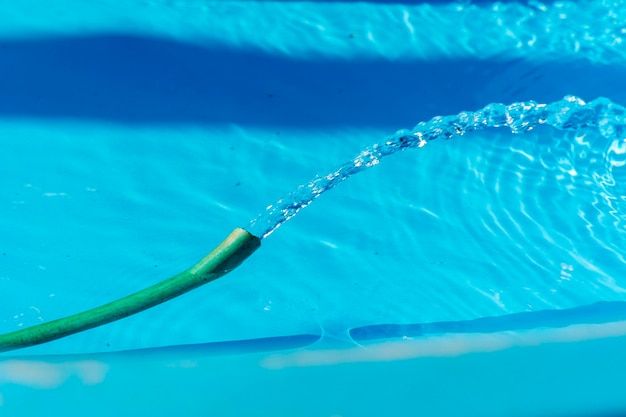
(224, 258)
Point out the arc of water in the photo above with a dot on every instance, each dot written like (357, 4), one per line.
(571, 113)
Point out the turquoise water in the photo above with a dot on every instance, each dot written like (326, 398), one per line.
(134, 138)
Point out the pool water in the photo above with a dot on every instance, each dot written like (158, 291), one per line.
(479, 275)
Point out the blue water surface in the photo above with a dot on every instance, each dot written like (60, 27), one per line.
(129, 153)
(135, 136)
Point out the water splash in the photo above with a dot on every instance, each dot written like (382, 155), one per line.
(571, 113)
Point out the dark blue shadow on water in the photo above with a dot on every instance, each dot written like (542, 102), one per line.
(231, 347)
(601, 312)
(148, 80)
(234, 347)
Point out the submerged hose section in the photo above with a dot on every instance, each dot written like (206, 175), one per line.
(224, 258)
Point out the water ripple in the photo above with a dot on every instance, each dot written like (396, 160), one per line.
(571, 113)
(511, 205)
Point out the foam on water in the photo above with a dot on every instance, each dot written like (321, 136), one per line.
(571, 113)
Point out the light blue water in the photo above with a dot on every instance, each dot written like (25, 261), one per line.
(135, 136)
